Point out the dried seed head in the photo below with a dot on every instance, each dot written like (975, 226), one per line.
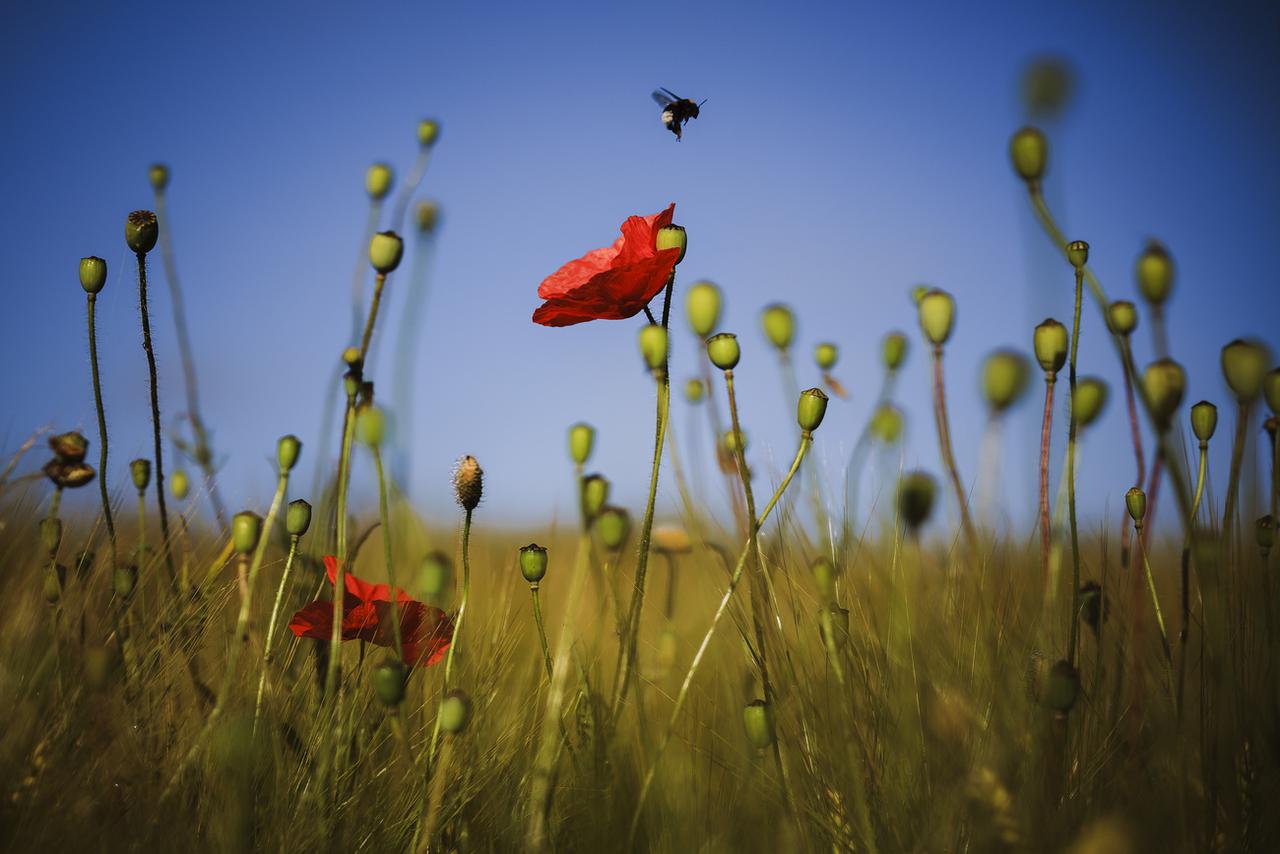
(533, 563)
(937, 311)
(613, 524)
(779, 325)
(1089, 400)
(1244, 365)
(672, 237)
(69, 447)
(582, 438)
(724, 351)
(1050, 344)
(93, 274)
(1029, 151)
(1004, 379)
(428, 132)
(1154, 272)
(1204, 420)
(377, 181)
(1122, 317)
(757, 720)
(468, 483)
(893, 350)
(672, 539)
(141, 230)
(140, 471)
(825, 355)
(702, 305)
(297, 519)
(68, 475)
(1093, 605)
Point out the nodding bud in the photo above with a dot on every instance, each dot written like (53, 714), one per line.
(672, 237)
(1093, 605)
(93, 274)
(51, 534)
(455, 711)
(1089, 400)
(811, 409)
(428, 132)
(824, 576)
(937, 316)
(1050, 345)
(893, 350)
(69, 447)
(693, 390)
(351, 358)
(1266, 531)
(179, 484)
(377, 181)
(1244, 364)
(435, 574)
(723, 350)
(702, 305)
(68, 475)
(1204, 420)
(779, 325)
(1154, 273)
(1164, 382)
(385, 251)
(297, 518)
(1004, 379)
(158, 175)
(533, 562)
(371, 425)
(653, 346)
(125, 580)
(582, 438)
(733, 441)
(1029, 152)
(140, 471)
(1122, 317)
(287, 451)
(826, 354)
(613, 524)
(141, 230)
(1271, 390)
(886, 424)
(1078, 253)
(1135, 500)
(916, 492)
(427, 216)
(595, 494)
(757, 720)
(468, 483)
(389, 682)
(246, 528)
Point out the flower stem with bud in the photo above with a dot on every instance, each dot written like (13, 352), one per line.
(92, 299)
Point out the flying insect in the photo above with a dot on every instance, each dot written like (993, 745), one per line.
(676, 111)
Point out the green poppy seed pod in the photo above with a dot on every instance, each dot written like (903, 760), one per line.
(389, 682)
(757, 720)
(125, 580)
(141, 230)
(1089, 400)
(385, 251)
(1122, 317)
(287, 450)
(1004, 379)
(69, 447)
(653, 346)
(54, 581)
(1063, 688)
(693, 391)
(937, 316)
(377, 181)
(824, 576)
(93, 274)
(1135, 500)
(428, 132)
(426, 215)
(811, 409)
(779, 325)
(595, 494)
(886, 424)
(158, 174)
(1047, 86)
(1029, 152)
(702, 305)
(1271, 390)
(1204, 420)
(1164, 382)
(1154, 273)
(51, 534)
(1266, 532)
(1078, 253)
(435, 574)
(455, 710)
(893, 350)
(916, 492)
(825, 355)
(732, 440)
(533, 562)
(613, 525)
(371, 426)
(723, 350)
(140, 471)
(468, 483)
(1244, 364)
(179, 484)
(246, 528)
(1050, 345)
(582, 438)
(297, 518)
(672, 237)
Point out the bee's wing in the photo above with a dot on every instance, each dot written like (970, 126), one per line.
(664, 97)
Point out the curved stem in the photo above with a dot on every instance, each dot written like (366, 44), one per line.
(1046, 423)
(542, 629)
(1071, 473)
(1202, 470)
(944, 445)
(102, 431)
(1155, 603)
(384, 515)
(457, 629)
(1136, 432)
(155, 412)
(271, 626)
(378, 283)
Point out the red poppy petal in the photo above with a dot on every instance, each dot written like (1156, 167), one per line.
(639, 234)
(314, 620)
(579, 270)
(426, 633)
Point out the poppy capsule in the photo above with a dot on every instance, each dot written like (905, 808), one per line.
(779, 325)
(389, 682)
(723, 350)
(916, 492)
(297, 519)
(1050, 343)
(1029, 152)
(613, 524)
(93, 274)
(702, 306)
(377, 181)
(455, 712)
(595, 493)
(757, 720)
(811, 409)
(937, 310)
(893, 350)
(1164, 382)
(582, 437)
(1154, 272)
(141, 230)
(1204, 420)
(533, 563)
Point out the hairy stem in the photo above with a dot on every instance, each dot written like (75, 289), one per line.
(102, 432)
(1072, 428)
(155, 413)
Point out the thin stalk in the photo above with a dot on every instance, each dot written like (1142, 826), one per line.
(1244, 412)
(401, 206)
(155, 411)
(102, 431)
(1046, 423)
(1201, 471)
(339, 581)
(944, 445)
(379, 281)
(1155, 603)
(853, 469)
(384, 515)
(362, 259)
(1140, 457)
(1275, 476)
(457, 630)
(431, 819)
(271, 627)
(1072, 428)
(542, 629)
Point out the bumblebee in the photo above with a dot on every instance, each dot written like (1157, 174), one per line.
(676, 111)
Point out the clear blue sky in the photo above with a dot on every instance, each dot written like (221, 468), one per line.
(847, 152)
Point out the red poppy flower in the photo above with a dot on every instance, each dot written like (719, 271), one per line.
(425, 632)
(613, 283)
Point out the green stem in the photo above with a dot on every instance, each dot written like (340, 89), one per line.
(155, 412)
(1072, 428)
(384, 515)
(1140, 457)
(1201, 471)
(339, 581)
(102, 431)
(1243, 413)
(271, 627)
(457, 629)
(944, 445)
(142, 525)
(1155, 603)
(378, 283)
(362, 259)
(542, 630)
(1046, 423)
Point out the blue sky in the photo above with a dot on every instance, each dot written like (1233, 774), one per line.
(846, 152)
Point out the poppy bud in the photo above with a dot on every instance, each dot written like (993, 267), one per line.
(1004, 379)
(371, 426)
(1154, 273)
(779, 325)
(917, 293)
(732, 440)
(824, 576)
(672, 237)
(428, 132)
(886, 424)
(141, 229)
(246, 528)
(916, 492)
(385, 251)
(1271, 390)
(893, 350)
(937, 316)
(377, 181)
(140, 471)
(1204, 420)
(1093, 608)
(1029, 151)
(693, 391)
(811, 409)
(757, 720)
(455, 710)
(595, 492)
(653, 346)
(1088, 401)
(54, 581)
(1050, 344)
(723, 350)
(468, 483)
(1136, 502)
(1078, 253)
(702, 306)
(1122, 317)
(179, 484)
(434, 574)
(389, 682)
(1164, 382)
(69, 447)
(51, 533)
(533, 562)
(1266, 531)
(84, 562)
(1063, 688)
(125, 580)
(613, 525)
(93, 274)
(427, 216)
(582, 438)
(297, 518)
(351, 357)
(825, 355)
(287, 450)
(1244, 364)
